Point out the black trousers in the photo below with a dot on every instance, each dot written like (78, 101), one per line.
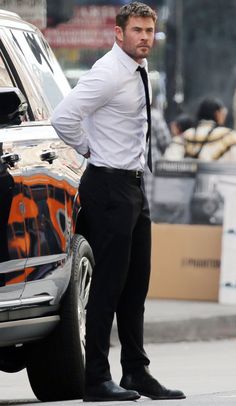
(116, 215)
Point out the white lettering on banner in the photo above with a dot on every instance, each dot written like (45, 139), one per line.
(33, 11)
(91, 27)
(95, 15)
(79, 38)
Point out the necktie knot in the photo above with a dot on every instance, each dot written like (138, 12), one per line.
(142, 70)
(143, 74)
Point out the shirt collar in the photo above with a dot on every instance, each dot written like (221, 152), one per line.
(126, 60)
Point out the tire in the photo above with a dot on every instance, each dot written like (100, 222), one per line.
(12, 359)
(55, 365)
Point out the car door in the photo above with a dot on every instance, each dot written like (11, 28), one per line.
(51, 170)
(50, 186)
(13, 252)
(51, 173)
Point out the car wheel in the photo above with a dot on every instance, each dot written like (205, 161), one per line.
(55, 365)
(12, 359)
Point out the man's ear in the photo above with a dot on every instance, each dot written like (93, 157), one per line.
(119, 33)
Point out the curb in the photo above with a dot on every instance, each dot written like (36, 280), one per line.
(195, 329)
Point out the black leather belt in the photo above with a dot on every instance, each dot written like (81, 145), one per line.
(125, 172)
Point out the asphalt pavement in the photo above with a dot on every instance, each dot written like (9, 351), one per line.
(182, 320)
(204, 370)
(190, 345)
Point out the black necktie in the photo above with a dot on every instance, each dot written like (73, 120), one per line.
(144, 77)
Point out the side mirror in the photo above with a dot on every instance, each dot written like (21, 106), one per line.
(13, 105)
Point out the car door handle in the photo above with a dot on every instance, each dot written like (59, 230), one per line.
(10, 159)
(48, 156)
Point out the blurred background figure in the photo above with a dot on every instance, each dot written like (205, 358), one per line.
(161, 136)
(176, 150)
(180, 124)
(210, 140)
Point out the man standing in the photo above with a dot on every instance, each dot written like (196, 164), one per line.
(105, 119)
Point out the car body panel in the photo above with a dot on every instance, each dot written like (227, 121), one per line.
(39, 200)
(13, 253)
(46, 204)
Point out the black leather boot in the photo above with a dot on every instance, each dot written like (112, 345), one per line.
(144, 383)
(108, 391)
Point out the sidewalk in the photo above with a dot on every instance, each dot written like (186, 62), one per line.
(182, 320)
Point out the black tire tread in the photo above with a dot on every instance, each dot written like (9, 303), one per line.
(55, 365)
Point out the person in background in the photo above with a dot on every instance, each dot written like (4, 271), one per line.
(180, 124)
(176, 150)
(161, 138)
(210, 140)
(105, 119)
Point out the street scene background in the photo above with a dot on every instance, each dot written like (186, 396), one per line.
(193, 57)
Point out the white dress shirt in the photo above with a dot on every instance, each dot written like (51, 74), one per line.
(106, 113)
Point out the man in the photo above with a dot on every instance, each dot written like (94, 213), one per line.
(105, 119)
(209, 139)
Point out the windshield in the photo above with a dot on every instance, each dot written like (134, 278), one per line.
(37, 55)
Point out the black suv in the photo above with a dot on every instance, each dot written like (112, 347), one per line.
(45, 262)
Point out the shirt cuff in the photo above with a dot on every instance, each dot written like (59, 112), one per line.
(82, 150)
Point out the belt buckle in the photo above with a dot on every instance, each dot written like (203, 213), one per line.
(137, 174)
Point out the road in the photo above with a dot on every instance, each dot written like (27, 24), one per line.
(205, 371)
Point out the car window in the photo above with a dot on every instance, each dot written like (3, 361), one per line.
(44, 68)
(5, 79)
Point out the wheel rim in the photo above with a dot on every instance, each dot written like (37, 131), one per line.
(85, 273)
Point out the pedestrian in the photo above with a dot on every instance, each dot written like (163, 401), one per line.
(181, 123)
(210, 140)
(175, 150)
(160, 140)
(161, 136)
(105, 119)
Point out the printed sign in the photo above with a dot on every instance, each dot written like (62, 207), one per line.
(33, 11)
(91, 27)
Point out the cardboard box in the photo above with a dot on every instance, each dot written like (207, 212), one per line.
(185, 262)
